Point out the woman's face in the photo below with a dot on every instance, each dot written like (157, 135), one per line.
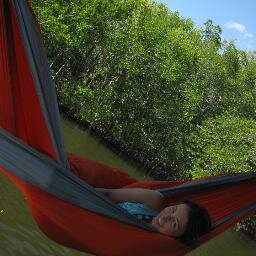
(172, 220)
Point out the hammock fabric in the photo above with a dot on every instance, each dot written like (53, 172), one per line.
(64, 205)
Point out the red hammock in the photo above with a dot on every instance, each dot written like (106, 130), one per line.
(21, 114)
(86, 231)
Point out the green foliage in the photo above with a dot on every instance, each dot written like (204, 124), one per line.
(224, 144)
(145, 75)
(142, 73)
(212, 33)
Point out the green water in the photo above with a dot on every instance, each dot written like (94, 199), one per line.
(19, 235)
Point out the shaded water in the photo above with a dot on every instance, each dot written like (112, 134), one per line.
(19, 235)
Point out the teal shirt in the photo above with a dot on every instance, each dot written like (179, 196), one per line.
(141, 211)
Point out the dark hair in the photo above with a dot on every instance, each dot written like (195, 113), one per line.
(199, 223)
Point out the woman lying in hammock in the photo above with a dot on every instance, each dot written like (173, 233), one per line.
(186, 221)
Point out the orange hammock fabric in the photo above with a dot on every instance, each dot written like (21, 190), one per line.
(21, 114)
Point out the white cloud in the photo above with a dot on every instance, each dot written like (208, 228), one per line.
(244, 39)
(240, 28)
(236, 26)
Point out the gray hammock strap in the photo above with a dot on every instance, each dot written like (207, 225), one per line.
(41, 171)
(41, 75)
(235, 215)
(198, 185)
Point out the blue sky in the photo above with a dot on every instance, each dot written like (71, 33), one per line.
(237, 18)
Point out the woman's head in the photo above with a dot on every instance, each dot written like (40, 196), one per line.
(199, 223)
(186, 221)
(172, 220)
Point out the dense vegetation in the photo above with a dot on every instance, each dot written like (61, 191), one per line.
(177, 94)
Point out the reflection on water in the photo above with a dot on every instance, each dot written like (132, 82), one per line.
(19, 235)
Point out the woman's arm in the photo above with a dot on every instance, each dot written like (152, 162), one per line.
(151, 198)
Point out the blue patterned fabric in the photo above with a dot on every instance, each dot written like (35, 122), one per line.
(141, 211)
